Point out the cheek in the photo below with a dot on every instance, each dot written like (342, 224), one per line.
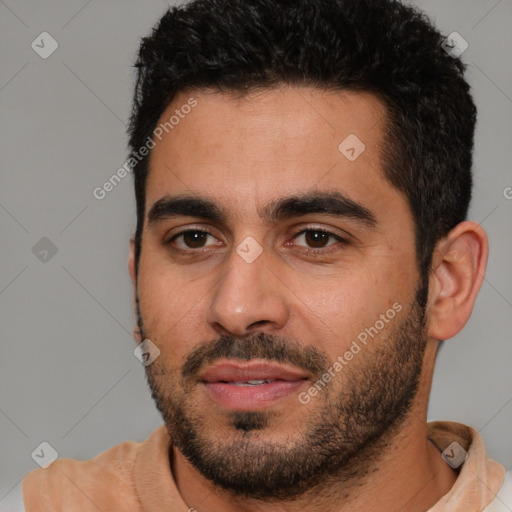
(172, 315)
(338, 308)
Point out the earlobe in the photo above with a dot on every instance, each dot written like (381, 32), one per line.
(137, 336)
(458, 270)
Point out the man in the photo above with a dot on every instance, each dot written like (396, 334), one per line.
(302, 176)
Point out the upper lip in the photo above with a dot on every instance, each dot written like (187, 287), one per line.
(243, 371)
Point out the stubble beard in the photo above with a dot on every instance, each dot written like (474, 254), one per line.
(345, 429)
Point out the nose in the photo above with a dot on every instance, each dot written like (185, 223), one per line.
(250, 297)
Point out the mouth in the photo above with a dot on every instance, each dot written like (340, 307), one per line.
(251, 385)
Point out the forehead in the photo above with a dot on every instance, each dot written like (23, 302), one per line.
(248, 150)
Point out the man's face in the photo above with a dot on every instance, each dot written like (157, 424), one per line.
(289, 334)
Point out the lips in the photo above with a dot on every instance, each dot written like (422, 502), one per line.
(251, 385)
(244, 371)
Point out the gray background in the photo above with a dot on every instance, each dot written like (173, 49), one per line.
(68, 375)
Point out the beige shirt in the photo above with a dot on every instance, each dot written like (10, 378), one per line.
(136, 477)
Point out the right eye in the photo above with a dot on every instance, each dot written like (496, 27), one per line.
(190, 240)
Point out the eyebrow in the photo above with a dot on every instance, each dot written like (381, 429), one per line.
(326, 203)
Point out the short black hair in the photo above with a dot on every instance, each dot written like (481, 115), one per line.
(383, 47)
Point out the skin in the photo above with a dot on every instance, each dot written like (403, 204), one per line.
(231, 151)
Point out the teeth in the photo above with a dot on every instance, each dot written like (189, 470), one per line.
(253, 382)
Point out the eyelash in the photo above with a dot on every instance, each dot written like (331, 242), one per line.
(309, 250)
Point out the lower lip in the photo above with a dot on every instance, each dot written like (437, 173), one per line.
(250, 398)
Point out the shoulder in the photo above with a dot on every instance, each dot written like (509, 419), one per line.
(69, 484)
(503, 500)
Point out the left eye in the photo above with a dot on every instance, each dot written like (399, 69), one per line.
(317, 238)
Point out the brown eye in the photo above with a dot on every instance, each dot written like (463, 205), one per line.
(194, 239)
(316, 239)
(191, 239)
(318, 242)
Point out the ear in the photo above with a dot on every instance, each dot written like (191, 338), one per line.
(131, 270)
(458, 270)
(131, 262)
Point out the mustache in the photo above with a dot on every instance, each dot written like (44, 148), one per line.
(259, 346)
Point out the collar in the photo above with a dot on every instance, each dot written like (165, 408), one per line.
(479, 479)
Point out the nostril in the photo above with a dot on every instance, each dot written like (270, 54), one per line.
(259, 323)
